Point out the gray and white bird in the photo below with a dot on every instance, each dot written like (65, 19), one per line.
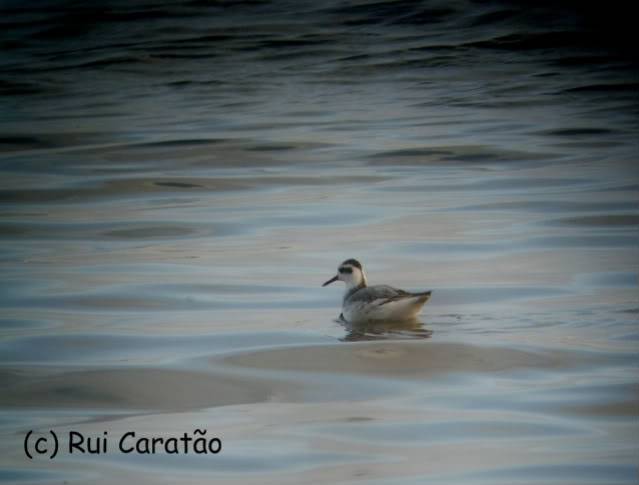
(364, 303)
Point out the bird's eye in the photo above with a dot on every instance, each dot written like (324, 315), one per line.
(345, 270)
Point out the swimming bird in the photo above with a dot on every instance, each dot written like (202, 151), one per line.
(373, 303)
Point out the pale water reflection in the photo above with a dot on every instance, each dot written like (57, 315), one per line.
(384, 330)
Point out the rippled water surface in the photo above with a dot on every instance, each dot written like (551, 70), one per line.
(178, 179)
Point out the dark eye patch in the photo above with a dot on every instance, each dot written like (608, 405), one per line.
(345, 270)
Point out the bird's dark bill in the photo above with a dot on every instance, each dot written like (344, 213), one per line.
(334, 278)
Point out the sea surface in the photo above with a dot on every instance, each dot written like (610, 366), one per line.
(177, 180)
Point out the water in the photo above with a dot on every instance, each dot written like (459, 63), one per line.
(177, 180)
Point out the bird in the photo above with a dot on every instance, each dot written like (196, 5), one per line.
(363, 303)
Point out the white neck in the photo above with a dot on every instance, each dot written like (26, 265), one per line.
(358, 281)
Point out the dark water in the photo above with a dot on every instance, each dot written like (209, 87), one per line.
(177, 180)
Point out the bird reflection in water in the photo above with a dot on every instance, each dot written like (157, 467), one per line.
(384, 330)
